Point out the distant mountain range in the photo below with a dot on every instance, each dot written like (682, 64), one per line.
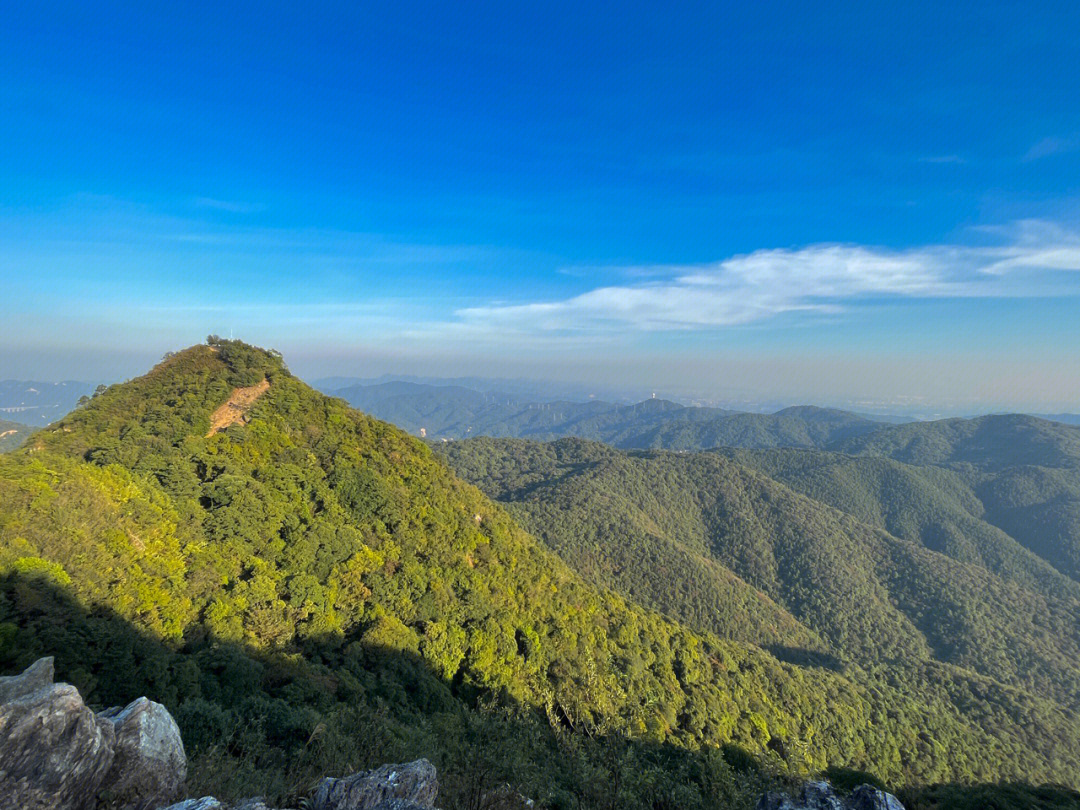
(476, 407)
(954, 542)
(456, 412)
(531, 390)
(1066, 418)
(39, 403)
(12, 434)
(306, 588)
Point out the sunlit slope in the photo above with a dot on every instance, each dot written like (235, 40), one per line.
(1024, 471)
(273, 558)
(872, 596)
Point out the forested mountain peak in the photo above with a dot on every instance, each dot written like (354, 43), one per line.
(12, 434)
(993, 442)
(451, 412)
(316, 587)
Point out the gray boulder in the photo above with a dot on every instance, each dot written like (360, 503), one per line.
(54, 752)
(205, 803)
(412, 783)
(36, 676)
(821, 796)
(150, 766)
(210, 803)
(867, 797)
(775, 801)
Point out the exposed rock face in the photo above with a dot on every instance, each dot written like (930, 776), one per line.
(150, 766)
(866, 797)
(210, 803)
(36, 676)
(410, 786)
(820, 796)
(54, 752)
(205, 803)
(775, 801)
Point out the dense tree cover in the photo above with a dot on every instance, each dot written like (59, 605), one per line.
(311, 590)
(870, 595)
(453, 412)
(987, 442)
(1003, 796)
(930, 505)
(1023, 472)
(593, 507)
(12, 434)
(874, 598)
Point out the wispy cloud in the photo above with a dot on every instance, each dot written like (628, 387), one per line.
(1051, 146)
(230, 206)
(943, 159)
(825, 278)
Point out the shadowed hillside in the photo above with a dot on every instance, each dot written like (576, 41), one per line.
(1023, 471)
(309, 533)
(870, 595)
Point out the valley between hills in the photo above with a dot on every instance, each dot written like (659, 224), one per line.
(699, 609)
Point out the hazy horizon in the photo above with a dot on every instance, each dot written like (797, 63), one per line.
(864, 207)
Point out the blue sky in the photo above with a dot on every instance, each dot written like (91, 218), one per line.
(836, 202)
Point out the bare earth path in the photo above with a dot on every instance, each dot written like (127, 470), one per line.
(235, 409)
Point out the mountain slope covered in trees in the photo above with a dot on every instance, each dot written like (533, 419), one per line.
(12, 434)
(1023, 471)
(309, 589)
(871, 595)
(453, 412)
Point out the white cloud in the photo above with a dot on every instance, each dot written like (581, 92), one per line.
(819, 278)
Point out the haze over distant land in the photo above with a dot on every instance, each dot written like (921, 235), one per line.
(757, 204)
(584, 405)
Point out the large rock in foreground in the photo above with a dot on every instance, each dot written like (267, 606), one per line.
(54, 752)
(36, 676)
(391, 787)
(210, 803)
(867, 797)
(150, 766)
(205, 803)
(820, 796)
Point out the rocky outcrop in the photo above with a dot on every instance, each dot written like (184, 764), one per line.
(410, 786)
(820, 796)
(867, 797)
(210, 803)
(149, 767)
(54, 752)
(205, 803)
(36, 676)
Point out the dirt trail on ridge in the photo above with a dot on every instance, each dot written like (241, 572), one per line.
(236, 407)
